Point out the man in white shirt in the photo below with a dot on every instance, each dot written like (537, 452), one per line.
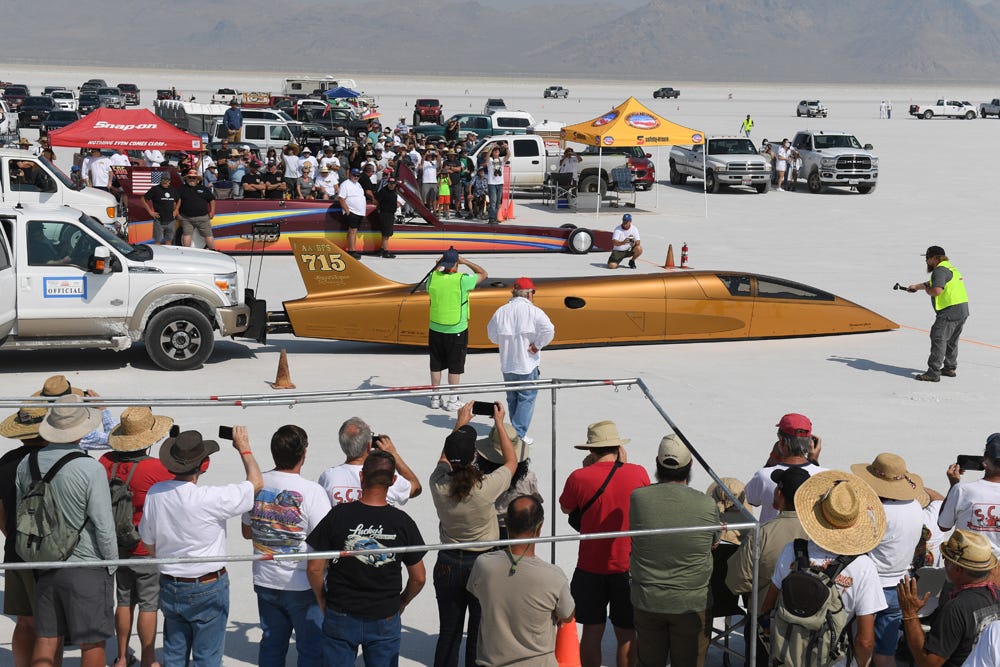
(429, 165)
(121, 159)
(520, 329)
(354, 204)
(182, 519)
(152, 157)
(570, 163)
(285, 511)
(343, 482)
(796, 447)
(975, 506)
(328, 181)
(625, 243)
(860, 524)
(330, 160)
(98, 173)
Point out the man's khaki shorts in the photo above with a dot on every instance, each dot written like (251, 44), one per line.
(202, 223)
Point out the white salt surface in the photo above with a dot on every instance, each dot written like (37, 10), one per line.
(936, 187)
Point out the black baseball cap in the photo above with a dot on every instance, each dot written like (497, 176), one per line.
(789, 480)
(935, 251)
(993, 447)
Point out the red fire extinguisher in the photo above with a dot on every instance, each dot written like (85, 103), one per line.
(684, 255)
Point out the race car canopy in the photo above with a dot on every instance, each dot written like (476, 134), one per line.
(132, 129)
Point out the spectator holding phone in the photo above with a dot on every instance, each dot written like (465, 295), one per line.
(974, 506)
(464, 499)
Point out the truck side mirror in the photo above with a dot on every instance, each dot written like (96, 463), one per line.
(100, 261)
(868, 147)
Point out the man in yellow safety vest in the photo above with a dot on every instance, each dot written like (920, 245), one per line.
(951, 306)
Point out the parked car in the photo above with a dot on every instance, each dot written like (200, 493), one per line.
(637, 160)
(992, 108)
(35, 109)
(164, 94)
(836, 159)
(111, 98)
(48, 90)
(666, 93)
(92, 86)
(59, 118)
(14, 94)
(8, 120)
(494, 104)
(556, 92)
(130, 92)
(427, 109)
(810, 108)
(88, 102)
(730, 161)
(945, 109)
(65, 99)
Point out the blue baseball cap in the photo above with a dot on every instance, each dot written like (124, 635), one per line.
(355, 170)
(449, 258)
(627, 217)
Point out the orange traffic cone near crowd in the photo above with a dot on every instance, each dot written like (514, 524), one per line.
(669, 264)
(567, 645)
(283, 380)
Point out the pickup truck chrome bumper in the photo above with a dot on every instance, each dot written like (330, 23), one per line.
(233, 320)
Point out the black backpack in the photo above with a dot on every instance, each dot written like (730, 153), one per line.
(122, 508)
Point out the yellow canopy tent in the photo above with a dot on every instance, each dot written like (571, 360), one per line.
(630, 123)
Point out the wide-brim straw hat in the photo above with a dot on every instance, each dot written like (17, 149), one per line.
(840, 513)
(722, 501)
(888, 475)
(56, 386)
(65, 422)
(139, 429)
(185, 453)
(603, 434)
(970, 551)
(489, 447)
(23, 424)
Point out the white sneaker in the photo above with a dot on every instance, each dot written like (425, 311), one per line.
(453, 404)
(528, 440)
(435, 402)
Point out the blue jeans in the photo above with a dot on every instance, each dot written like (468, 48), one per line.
(194, 622)
(887, 624)
(451, 574)
(377, 637)
(281, 612)
(521, 404)
(495, 191)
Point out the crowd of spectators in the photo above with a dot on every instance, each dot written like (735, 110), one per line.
(878, 526)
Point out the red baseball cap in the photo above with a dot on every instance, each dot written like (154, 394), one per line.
(524, 283)
(795, 425)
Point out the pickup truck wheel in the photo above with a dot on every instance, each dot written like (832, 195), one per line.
(675, 176)
(928, 114)
(179, 338)
(865, 188)
(815, 185)
(593, 184)
(969, 115)
(579, 241)
(711, 182)
(762, 188)
(798, 114)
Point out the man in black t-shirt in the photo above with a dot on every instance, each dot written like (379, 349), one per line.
(253, 182)
(196, 208)
(274, 185)
(387, 202)
(161, 202)
(364, 596)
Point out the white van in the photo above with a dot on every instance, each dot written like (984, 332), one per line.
(264, 133)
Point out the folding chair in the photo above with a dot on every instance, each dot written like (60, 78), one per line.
(726, 605)
(223, 189)
(560, 188)
(623, 183)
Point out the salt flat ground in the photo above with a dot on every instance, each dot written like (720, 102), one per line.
(936, 187)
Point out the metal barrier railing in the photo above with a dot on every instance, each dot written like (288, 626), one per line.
(382, 393)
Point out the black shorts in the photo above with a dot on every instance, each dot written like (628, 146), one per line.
(593, 594)
(353, 220)
(448, 351)
(76, 604)
(386, 221)
(618, 255)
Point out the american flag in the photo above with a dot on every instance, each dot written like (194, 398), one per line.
(142, 179)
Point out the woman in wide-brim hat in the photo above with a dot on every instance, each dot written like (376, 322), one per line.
(840, 513)
(23, 424)
(522, 483)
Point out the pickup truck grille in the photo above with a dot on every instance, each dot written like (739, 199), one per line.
(854, 163)
(746, 167)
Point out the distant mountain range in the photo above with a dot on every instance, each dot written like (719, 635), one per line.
(851, 41)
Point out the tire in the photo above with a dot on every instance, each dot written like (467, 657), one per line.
(568, 225)
(416, 119)
(815, 185)
(179, 338)
(591, 184)
(798, 114)
(969, 115)
(579, 241)
(983, 114)
(762, 188)
(866, 188)
(675, 176)
(711, 182)
(928, 114)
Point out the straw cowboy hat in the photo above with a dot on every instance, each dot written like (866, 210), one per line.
(58, 385)
(139, 429)
(185, 453)
(66, 423)
(970, 551)
(489, 447)
(840, 513)
(603, 434)
(887, 474)
(23, 424)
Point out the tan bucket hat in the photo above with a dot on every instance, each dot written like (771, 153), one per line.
(58, 385)
(888, 475)
(722, 501)
(23, 424)
(139, 428)
(603, 434)
(66, 423)
(489, 447)
(840, 513)
(970, 551)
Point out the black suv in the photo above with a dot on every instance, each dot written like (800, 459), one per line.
(35, 109)
(88, 102)
(666, 93)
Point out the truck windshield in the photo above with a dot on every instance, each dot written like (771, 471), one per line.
(101, 231)
(58, 173)
(835, 141)
(730, 147)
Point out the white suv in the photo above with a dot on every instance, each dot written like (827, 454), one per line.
(810, 108)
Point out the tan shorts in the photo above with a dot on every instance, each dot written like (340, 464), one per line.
(19, 593)
(202, 223)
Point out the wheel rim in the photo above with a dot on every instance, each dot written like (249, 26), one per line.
(180, 340)
(581, 240)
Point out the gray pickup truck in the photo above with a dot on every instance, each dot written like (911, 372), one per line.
(730, 161)
(836, 159)
(991, 108)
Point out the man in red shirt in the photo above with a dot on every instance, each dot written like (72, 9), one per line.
(599, 492)
(137, 585)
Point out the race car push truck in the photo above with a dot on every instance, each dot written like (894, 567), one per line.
(68, 282)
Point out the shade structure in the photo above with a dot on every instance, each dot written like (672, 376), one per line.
(132, 129)
(340, 92)
(631, 124)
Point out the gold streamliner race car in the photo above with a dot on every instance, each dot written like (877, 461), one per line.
(346, 300)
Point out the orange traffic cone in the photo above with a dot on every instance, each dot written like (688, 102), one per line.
(669, 264)
(283, 380)
(509, 213)
(567, 645)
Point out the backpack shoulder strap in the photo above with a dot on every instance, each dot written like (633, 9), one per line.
(36, 473)
(135, 466)
(837, 567)
(58, 465)
(801, 548)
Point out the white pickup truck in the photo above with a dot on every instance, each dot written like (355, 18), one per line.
(944, 109)
(26, 178)
(836, 159)
(67, 282)
(729, 161)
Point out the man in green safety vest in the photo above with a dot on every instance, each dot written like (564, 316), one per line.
(747, 126)
(448, 331)
(951, 306)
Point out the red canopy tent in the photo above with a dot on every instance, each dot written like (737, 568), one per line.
(132, 129)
